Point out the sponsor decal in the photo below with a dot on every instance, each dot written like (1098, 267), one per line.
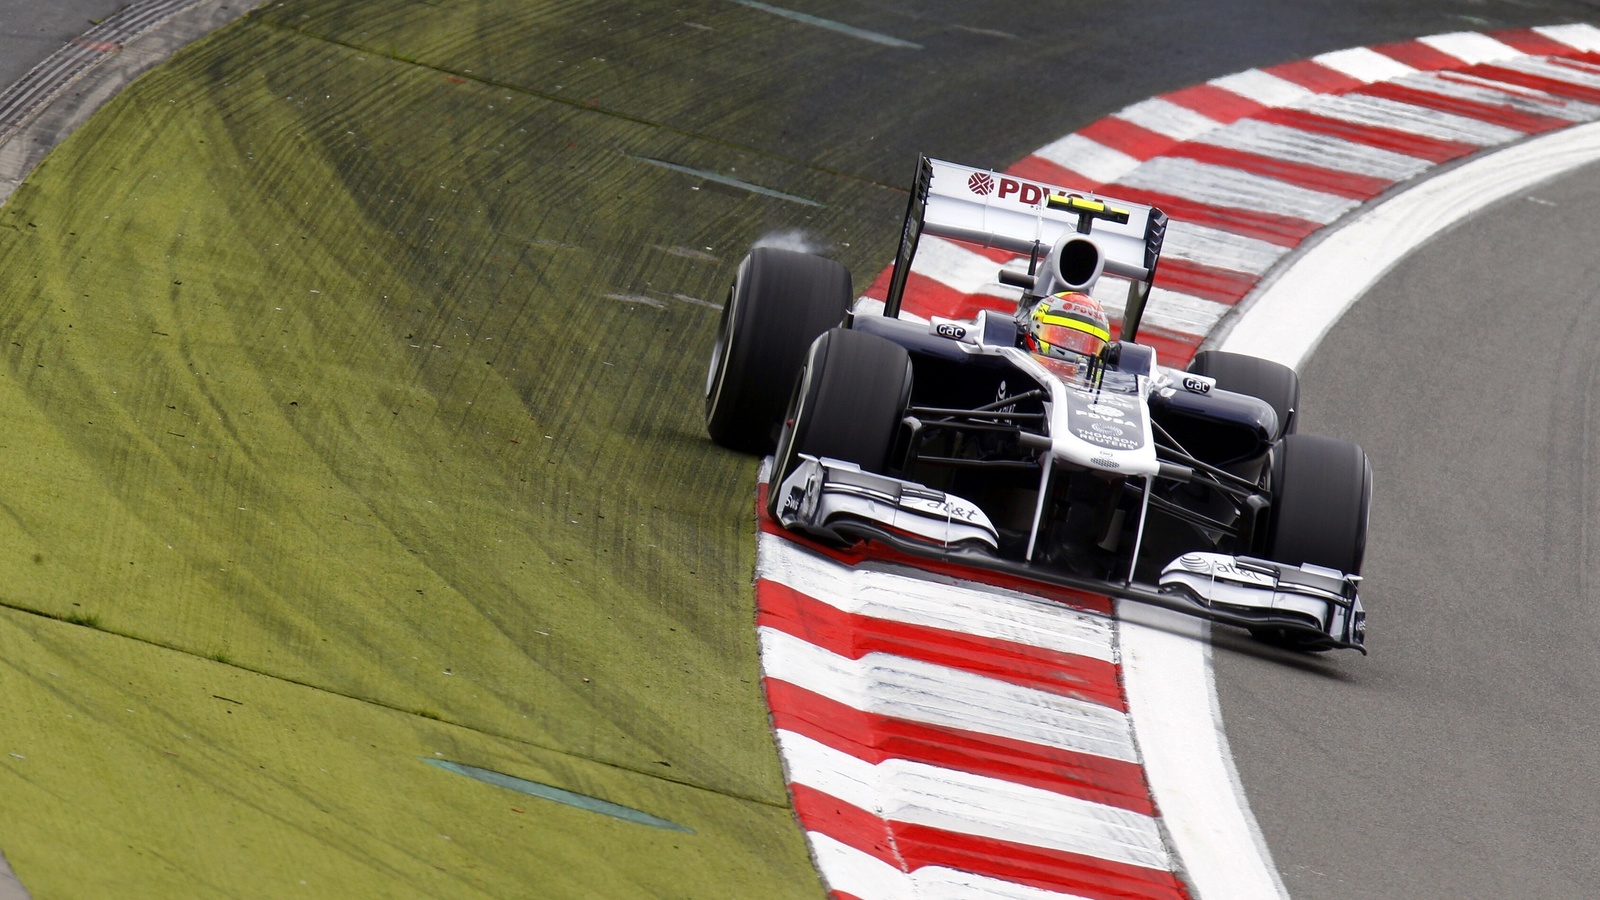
(981, 183)
(1229, 570)
(1099, 421)
(946, 508)
(1106, 440)
(1025, 192)
(1104, 463)
(1197, 385)
(1000, 395)
(1222, 568)
(947, 330)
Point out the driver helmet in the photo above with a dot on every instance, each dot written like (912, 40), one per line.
(1065, 325)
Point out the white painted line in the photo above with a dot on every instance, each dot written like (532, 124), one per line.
(831, 25)
(1314, 149)
(853, 872)
(1583, 36)
(1264, 88)
(1471, 47)
(929, 602)
(923, 692)
(1364, 64)
(1168, 118)
(1172, 697)
(1380, 112)
(1235, 189)
(1220, 249)
(1089, 158)
(952, 800)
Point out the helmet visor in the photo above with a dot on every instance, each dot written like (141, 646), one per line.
(1057, 332)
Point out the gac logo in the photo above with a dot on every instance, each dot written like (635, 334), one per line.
(1197, 385)
(946, 330)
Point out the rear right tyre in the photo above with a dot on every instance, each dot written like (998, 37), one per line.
(1263, 379)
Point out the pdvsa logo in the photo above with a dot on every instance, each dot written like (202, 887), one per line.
(1024, 192)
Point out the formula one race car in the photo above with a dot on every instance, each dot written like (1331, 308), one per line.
(1031, 443)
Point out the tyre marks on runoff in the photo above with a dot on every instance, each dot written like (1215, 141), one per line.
(944, 738)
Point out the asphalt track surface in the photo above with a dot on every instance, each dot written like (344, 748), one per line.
(1490, 743)
(30, 30)
(1470, 728)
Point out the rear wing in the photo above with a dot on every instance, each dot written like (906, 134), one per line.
(992, 209)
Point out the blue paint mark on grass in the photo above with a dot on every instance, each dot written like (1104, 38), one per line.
(730, 182)
(545, 791)
(831, 25)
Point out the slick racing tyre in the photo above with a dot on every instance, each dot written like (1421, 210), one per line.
(780, 301)
(1321, 492)
(848, 403)
(1263, 379)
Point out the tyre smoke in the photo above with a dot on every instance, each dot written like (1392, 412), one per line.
(795, 239)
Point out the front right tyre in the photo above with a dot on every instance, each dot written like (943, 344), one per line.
(847, 405)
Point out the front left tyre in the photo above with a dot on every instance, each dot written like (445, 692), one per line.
(1321, 494)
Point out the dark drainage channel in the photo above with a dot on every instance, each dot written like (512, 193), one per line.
(547, 792)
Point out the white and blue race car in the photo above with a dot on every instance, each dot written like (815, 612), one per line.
(1109, 473)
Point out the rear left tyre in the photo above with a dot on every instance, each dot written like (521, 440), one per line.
(780, 301)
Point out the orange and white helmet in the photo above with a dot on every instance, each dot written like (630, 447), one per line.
(1066, 325)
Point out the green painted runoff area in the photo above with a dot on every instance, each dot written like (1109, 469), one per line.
(352, 377)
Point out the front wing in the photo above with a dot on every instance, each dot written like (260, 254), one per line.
(1312, 607)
